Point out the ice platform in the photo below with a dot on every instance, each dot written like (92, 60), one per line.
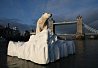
(41, 48)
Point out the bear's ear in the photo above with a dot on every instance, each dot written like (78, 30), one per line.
(50, 15)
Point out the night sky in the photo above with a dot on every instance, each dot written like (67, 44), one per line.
(28, 11)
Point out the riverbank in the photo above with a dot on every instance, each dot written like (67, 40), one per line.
(3, 52)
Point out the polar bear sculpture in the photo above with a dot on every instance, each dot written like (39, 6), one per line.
(43, 47)
(41, 23)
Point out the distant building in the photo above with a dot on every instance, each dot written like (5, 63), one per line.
(1, 30)
(1, 27)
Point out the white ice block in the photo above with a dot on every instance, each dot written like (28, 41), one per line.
(41, 48)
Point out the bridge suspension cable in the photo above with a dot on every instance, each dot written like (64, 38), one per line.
(90, 28)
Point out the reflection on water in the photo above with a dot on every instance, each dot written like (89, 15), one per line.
(86, 57)
(80, 47)
(14, 62)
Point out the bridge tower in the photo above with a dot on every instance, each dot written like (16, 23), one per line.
(79, 32)
(51, 26)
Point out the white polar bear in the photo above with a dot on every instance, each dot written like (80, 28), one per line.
(41, 25)
(43, 44)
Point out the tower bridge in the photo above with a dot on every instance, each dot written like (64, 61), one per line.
(79, 27)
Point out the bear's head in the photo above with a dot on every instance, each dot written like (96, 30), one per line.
(46, 15)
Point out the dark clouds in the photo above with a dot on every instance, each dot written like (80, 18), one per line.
(66, 9)
(30, 10)
(91, 16)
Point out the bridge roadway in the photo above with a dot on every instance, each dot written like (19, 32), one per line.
(92, 34)
(73, 36)
(66, 34)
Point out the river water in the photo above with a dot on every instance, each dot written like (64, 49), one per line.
(86, 57)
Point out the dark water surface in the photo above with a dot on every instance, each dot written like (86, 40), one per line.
(86, 57)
